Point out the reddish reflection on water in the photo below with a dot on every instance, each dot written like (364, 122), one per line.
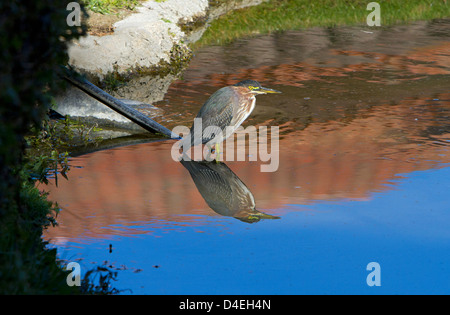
(336, 160)
(356, 112)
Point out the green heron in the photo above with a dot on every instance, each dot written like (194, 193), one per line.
(224, 192)
(223, 113)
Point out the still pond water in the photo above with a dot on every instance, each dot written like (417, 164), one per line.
(363, 175)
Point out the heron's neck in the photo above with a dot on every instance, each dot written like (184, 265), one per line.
(252, 105)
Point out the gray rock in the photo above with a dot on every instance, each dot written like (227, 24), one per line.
(141, 40)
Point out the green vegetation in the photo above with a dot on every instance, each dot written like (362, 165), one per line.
(31, 267)
(47, 155)
(109, 6)
(27, 266)
(279, 15)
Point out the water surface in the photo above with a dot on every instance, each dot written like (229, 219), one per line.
(363, 175)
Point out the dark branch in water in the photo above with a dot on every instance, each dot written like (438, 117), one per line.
(115, 104)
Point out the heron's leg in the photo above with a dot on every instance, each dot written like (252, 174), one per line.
(209, 152)
(217, 152)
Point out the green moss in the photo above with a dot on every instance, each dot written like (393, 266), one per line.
(179, 58)
(197, 22)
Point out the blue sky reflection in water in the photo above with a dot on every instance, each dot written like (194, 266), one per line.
(323, 248)
(363, 177)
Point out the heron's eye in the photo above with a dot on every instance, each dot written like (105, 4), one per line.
(251, 87)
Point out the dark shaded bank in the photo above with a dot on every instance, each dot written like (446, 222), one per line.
(33, 38)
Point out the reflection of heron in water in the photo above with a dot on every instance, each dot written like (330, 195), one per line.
(224, 192)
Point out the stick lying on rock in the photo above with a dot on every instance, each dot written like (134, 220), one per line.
(135, 116)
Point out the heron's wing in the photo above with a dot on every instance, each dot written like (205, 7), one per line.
(218, 110)
(229, 106)
(242, 196)
(213, 187)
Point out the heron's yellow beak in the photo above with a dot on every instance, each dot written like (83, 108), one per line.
(264, 90)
